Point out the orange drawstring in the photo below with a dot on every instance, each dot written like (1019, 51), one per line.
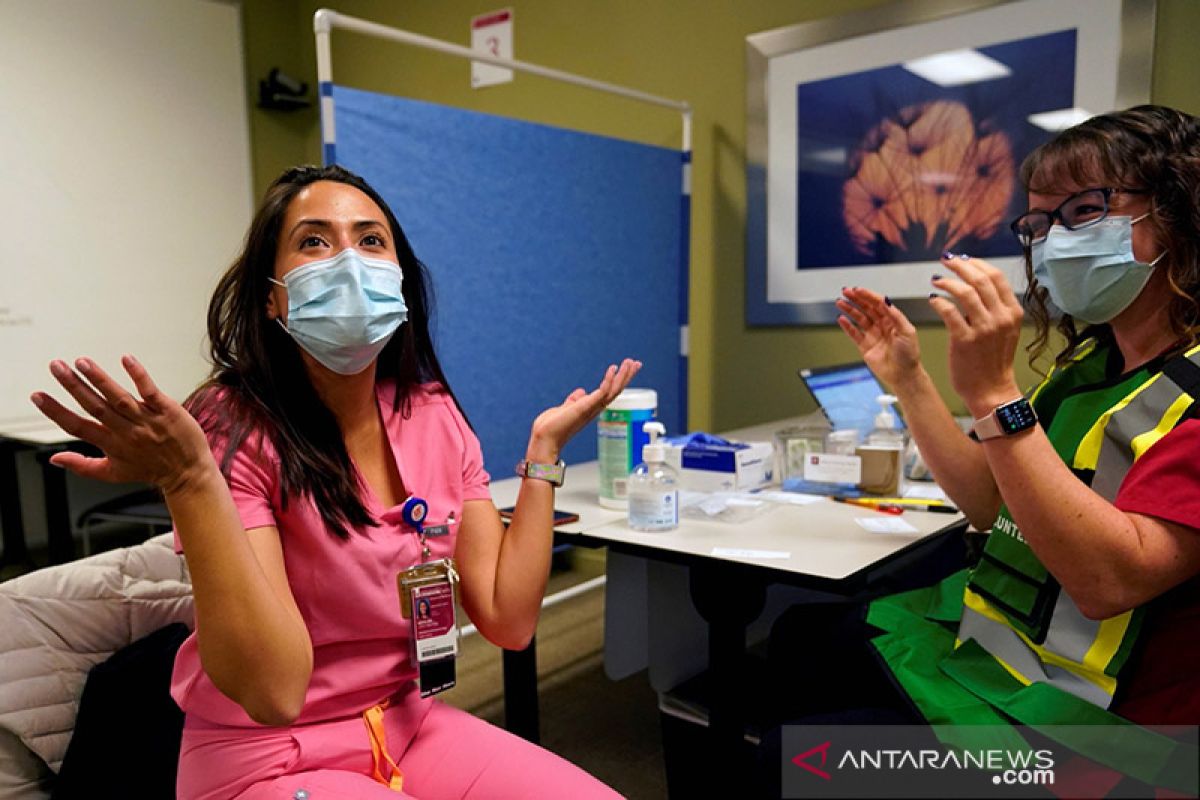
(373, 717)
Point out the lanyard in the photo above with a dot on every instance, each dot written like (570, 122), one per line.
(373, 717)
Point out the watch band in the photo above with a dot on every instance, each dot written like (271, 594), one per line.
(1006, 419)
(551, 473)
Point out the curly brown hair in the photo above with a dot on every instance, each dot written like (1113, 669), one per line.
(1151, 148)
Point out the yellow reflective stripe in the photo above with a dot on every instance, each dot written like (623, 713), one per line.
(1088, 670)
(1080, 353)
(1144, 441)
(1108, 641)
(1037, 391)
(1088, 452)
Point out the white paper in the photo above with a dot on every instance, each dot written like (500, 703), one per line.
(925, 491)
(492, 33)
(791, 498)
(736, 552)
(832, 468)
(885, 525)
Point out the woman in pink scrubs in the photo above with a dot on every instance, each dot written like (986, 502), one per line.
(292, 485)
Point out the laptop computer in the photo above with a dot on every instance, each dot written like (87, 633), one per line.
(846, 395)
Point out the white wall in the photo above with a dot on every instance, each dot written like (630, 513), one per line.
(125, 184)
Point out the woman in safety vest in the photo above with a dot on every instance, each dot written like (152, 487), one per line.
(1085, 605)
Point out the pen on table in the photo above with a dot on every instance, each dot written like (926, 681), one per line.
(911, 503)
(883, 508)
(918, 504)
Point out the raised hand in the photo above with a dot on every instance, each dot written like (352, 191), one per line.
(555, 426)
(983, 318)
(885, 338)
(148, 440)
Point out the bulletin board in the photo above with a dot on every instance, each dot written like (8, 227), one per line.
(553, 253)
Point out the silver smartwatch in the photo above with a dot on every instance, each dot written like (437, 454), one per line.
(551, 473)
(1005, 420)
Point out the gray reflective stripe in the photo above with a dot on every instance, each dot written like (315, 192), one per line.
(1071, 634)
(1141, 415)
(1003, 643)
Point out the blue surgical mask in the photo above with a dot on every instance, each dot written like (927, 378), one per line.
(1091, 273)
(343, 310)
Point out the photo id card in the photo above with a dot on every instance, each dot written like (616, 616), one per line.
(434, 631)
(427, 602)
(434, 635)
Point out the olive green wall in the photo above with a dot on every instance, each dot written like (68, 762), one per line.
(693, 51)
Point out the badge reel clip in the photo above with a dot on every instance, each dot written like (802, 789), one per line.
(427, 601)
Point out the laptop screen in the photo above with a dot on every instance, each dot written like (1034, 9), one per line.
(847, 395)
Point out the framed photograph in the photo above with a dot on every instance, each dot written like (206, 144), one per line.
(880, 139)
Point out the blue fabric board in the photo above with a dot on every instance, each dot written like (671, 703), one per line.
(552, 254)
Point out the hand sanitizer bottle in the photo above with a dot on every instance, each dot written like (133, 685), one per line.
(653, 487)
(885, 432)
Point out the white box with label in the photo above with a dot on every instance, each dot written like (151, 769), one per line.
(723, 467)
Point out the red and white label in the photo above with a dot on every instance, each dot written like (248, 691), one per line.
(492, 33)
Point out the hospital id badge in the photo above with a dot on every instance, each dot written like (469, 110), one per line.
(427, 600)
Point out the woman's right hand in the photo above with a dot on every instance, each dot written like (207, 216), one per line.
(151, 440)
(885, 338)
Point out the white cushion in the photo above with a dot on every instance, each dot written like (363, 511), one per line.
(56, 623)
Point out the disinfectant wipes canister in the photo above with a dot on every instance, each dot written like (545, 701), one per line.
(619, 448)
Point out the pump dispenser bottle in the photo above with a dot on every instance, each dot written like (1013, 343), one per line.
(653, 487)
(886, 433)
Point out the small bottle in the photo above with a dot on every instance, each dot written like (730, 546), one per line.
(653, 487)
(886, 433)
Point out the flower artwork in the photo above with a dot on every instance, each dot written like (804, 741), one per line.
(924, 179)
(872, 147)
(893, 168)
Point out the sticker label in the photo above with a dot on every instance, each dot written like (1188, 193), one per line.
(832, 468)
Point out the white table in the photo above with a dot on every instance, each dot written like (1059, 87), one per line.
(649, 573)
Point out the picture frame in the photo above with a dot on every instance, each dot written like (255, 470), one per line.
(860, 167)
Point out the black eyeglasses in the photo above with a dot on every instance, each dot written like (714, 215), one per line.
(1077, 211)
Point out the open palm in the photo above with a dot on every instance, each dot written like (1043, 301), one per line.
(148, 437)
(556, 425)
(884, 337)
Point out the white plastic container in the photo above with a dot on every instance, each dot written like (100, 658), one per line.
(653, 487)
(621, 438)
(885, 433)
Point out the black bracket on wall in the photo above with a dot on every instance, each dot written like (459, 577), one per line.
(281, 92)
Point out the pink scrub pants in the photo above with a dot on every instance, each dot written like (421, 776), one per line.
(453, 756)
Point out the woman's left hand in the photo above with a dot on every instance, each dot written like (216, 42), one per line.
(555, 426)
(984, 322)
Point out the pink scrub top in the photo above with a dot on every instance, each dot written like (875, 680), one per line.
(346, 589)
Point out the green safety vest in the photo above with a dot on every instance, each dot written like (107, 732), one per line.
(1002, 641)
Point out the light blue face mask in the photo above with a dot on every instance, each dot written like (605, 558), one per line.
(343, 310)
(1091, 273)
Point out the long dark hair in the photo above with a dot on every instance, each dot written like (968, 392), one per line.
(259, 382)
(1152, 148)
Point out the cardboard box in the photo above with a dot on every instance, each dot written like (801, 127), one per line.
(727, 467)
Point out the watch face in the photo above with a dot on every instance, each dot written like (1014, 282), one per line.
(1016, 416)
